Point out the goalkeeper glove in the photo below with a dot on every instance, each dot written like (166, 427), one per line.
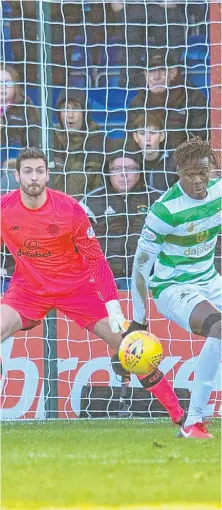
(117, 321)
(134, 326)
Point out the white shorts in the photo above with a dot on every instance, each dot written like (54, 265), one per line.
(178, 301)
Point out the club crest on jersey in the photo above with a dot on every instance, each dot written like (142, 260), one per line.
(90, 233)
(53, 229)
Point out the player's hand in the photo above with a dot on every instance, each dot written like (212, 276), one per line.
(117, 321)
(135, 326)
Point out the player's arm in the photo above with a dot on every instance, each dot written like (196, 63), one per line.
(89, 247)
(149, 246)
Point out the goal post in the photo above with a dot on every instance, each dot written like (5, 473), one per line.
(215, 75)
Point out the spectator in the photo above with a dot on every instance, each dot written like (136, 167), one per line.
(159, 166)
(118, 209)
(181, 106)
(19, 118)
(66, 24)
(142, 25)
(215, 174)
(78, 147)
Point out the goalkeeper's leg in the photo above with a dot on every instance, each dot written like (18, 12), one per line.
(13, 321)
(160, 387)
(157, 384)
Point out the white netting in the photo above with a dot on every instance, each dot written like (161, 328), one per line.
(76, 86)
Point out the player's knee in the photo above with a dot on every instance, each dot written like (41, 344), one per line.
(212, 325)
(10, 322)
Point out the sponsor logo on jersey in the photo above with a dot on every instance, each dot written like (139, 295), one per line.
(148, 234)
(31, 244)
(90, 233)
(33, 254)
(196, 251)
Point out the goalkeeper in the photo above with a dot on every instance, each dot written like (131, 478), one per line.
(179, 236)
(59, 264)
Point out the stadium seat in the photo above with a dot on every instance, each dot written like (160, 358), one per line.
(5, 47)
(196, 59)
(109, 56)
(109, 105)
(35, 95)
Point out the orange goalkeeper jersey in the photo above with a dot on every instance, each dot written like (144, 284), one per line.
(54, 247)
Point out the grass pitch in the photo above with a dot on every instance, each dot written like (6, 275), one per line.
(113, 464)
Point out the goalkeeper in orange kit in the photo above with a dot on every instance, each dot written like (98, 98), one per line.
(59, 264)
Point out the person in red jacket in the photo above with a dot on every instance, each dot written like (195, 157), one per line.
(60, 264)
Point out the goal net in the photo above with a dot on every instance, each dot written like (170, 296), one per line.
(75, 82)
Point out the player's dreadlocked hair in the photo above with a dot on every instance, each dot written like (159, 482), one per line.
(192, 150)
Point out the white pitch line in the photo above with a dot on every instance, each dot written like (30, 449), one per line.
(112, 458)
(164, 506)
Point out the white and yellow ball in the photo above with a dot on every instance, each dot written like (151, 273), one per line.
(140, 352)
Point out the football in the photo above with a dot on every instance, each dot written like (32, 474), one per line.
(140, 352)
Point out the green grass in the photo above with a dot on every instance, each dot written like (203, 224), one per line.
(106, 463)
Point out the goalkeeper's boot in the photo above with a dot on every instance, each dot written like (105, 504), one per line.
(195, 431)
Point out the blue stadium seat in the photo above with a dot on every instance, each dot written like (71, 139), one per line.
(81, 55)
(108, 106)
(196, 59)
(109, 56)
(5, 47)
(78, 79)
(35, 95)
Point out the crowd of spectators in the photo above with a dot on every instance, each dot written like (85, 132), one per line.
(115, 179)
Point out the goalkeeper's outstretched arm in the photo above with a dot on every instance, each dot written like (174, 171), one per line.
(142, 266)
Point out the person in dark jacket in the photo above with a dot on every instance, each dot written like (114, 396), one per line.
(118, 209)
(182, 107)
(20, 124)
(158, 164)
(66, 23)
(78, 147)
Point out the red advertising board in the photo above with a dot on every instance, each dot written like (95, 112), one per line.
(83, 358)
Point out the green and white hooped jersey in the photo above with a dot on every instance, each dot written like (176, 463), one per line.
(183, 232)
